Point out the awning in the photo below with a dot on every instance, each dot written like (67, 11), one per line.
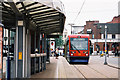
(46, 15)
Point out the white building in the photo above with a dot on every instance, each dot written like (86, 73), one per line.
(76, 29)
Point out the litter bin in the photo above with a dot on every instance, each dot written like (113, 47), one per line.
(101, 53)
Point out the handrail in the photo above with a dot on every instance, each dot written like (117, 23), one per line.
(38, 55)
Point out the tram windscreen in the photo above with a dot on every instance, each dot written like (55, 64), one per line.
(79, 43)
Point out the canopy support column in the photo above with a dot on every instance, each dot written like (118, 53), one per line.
(20, 47)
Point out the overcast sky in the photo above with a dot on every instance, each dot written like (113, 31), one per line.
(102, 10)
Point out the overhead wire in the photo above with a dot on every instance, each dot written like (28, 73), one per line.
(79, 11)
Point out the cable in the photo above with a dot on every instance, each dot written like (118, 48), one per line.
(80, 10)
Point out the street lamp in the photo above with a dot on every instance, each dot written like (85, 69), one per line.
(71, 24)
(105, 63)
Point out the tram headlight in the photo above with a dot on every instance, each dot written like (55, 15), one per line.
(86, 54)
(71, 54)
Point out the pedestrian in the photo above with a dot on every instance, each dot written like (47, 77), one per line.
(56, 55)
(60, 53)
(97, 51)
(116, 53)
(107, 53)
(113, 50)
(53, 54)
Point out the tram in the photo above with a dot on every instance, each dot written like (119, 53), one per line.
(77, 48)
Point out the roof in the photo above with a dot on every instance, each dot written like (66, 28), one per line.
(47, 16)
(116, 19)
(112, 28)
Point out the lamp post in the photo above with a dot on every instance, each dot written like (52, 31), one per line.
(71, 24)
(105, 63)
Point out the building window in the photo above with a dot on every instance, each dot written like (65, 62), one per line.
(106, 36)
(102, 36)
(113, 36)
(89, 31)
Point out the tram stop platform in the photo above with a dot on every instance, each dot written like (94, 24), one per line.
(60, 68)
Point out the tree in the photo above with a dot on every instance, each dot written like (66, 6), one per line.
(59, 41)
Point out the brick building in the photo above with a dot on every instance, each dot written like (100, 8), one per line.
(116, 19)
(96, 32)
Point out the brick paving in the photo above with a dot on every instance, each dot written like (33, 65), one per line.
(60, 68)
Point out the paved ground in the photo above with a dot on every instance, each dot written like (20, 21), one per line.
(114, 61)
(60, 68)
(111, 60)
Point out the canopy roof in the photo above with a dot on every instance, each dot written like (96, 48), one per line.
(44, 15)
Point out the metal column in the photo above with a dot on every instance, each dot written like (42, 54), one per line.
(38, 47)
(1, 44)
(8, 58)
(34, 52)
(42, 59)
(45, 49)
(1, 50)
(20, 48)
(28, 51)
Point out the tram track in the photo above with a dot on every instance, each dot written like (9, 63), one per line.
(80, 72)
(97, 71)
(85, 78)
(94, 71)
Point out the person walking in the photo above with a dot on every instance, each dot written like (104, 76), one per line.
(117, 50)
(56, 55)
(53, 54)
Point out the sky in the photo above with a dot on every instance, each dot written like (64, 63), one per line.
(102, 10)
